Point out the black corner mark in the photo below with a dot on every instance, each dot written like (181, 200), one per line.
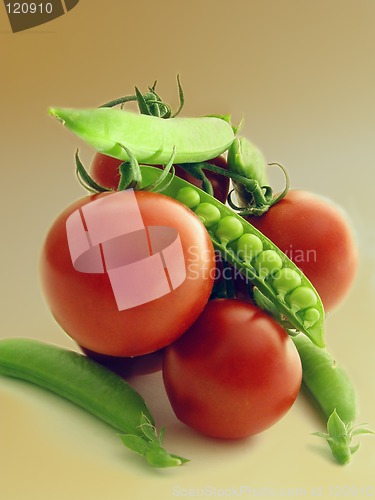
(24, 15)
(69, 4)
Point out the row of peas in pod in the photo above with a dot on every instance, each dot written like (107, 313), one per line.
(260, 261)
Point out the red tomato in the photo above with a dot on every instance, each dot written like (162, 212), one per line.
(317, 237)
(234, 373)
(83, 303)
(104, 170)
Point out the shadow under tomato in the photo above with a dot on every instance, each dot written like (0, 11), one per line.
(127, 367)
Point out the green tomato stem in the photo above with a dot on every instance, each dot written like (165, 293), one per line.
(150, 103)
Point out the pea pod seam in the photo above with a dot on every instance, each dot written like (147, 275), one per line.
(67, 374)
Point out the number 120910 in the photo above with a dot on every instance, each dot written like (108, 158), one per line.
(29, 8)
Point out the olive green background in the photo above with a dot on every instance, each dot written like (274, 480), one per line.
(302, 75)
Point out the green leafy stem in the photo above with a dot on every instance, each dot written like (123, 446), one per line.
(339, 437)
(149, 445)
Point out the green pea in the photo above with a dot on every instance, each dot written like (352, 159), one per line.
(286, 280)
(248, 247)
(268, 263)
(208, 214)
(310, 316)
(90, 386)
(151, 139)
(229, 229)
(188, 196)
(301, 298)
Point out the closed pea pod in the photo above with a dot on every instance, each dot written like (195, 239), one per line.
(151, 139)
(331, 388)
(246, 159)
(90, 386)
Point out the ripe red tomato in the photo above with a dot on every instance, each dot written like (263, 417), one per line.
(104, 170)
(317, 237)
(234, 373)
(83, 301)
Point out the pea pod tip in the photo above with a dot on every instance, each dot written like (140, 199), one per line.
(56, 113)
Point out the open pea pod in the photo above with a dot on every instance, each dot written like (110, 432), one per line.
(277, 279)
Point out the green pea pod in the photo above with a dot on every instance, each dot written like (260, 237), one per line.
(331, 388)
(246, 159)
(151, 139)
(255, 256)
(90, 386)
(328, 382)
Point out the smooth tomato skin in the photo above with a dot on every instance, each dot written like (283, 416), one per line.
(104, 170)
(315, 234)
(234, 373)
(84, 305)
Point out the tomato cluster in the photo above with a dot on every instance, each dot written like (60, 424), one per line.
(229, 369)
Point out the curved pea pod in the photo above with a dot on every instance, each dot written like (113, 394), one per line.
(244, 158)
(331, 388)
(328, 383)
(151, 139)
(90, 386)
(256, 257)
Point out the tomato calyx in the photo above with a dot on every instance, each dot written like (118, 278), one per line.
(339, 436)
(260, 198)
(130, 176)
(150, 103)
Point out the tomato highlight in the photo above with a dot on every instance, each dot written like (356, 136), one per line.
(317, 237)
(83, 303)
(234, 373)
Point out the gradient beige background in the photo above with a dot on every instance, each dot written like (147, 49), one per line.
(302, 74)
